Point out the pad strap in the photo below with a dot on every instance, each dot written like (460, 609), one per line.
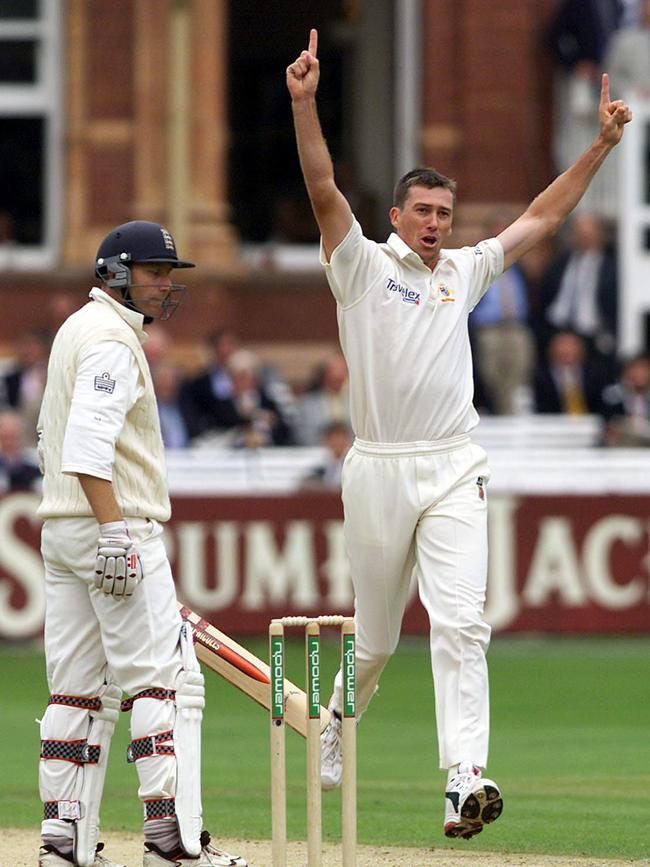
(68, 810)
(161, 744)
(160, 808)
(161, 694)
(79, 701)
(77, 752)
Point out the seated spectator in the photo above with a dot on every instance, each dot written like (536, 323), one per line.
(337, 439)
(259, 419)
(579, 290)
(566, 381)
(626, 405)
(246, 416)
(157, 345)
(7, 228)
(504, 346)
(60, 306)
(167, 385)
(204, 397)
(326, 400)
(22, 387)
(18, 470)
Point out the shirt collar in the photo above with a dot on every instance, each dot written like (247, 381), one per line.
(131, 317)
(403, 252)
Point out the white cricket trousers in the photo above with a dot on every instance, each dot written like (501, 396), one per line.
(422, 507)
(92, 638)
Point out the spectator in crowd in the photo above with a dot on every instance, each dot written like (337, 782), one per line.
(22, 387)
(18, 470)
(60, 306)
(7, 228)
(579, 290)
(8, 239)
(566, 381)
(326, 400)
(259, 419)
(504, 345)
(157, 345)
(578, 35)
(167, 381)
(336, 439)
(626, 405)
(205, 396)
(628, 58)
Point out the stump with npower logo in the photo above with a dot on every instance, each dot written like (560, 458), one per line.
(312, 627)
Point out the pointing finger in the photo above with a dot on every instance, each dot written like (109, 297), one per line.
(313, 41)
(604, 90)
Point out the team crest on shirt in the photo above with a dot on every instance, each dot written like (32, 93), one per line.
(444, 293)
(105, 383)
(409, 296)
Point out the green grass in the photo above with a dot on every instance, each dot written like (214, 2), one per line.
(570, 748)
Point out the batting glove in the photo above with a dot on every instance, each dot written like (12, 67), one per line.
(118, 568)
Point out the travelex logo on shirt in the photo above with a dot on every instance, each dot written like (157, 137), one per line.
(409, 296)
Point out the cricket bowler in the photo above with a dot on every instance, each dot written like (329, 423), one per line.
(414, 484)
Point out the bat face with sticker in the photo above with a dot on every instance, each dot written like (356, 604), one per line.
(245, 671)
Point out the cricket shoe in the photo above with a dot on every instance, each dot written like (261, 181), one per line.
(49, 856)
(471, 801)
(331, 755)
(210, 856)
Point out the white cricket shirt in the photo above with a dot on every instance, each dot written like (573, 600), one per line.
(403, 331)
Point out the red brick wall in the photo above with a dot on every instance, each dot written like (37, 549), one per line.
(487, 92)
(486, 118)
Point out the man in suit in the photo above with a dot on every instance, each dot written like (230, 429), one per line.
(567, 382)
(626, 405)
(579, 291)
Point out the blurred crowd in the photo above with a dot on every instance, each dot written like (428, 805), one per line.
(544, 340)
(545, 345)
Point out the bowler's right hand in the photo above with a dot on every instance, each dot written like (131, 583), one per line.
(304, 72)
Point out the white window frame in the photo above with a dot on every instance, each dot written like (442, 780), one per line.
(42, 98)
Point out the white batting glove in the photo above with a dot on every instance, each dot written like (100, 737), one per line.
(118, 568)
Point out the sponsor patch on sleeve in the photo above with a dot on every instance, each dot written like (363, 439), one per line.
(105, 383)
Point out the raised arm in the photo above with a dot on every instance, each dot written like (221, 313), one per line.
(549, 209)
(330, 207)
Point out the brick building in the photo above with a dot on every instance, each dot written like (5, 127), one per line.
(176, 111)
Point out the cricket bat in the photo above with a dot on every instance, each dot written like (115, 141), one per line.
(245, 671)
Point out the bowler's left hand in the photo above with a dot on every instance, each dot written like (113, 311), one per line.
(612, 115)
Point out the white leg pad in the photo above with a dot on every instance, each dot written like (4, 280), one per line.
(190, 701)
(102, 726)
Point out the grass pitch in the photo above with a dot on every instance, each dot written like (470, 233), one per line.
(569, 748)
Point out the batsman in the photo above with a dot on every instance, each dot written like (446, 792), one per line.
(414, 483)
(112, 623)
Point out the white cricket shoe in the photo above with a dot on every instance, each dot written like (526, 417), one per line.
(471, 801)
(210, 856)
(331, 755)
(49, 856)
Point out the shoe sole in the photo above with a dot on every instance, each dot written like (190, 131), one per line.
(480, 808)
